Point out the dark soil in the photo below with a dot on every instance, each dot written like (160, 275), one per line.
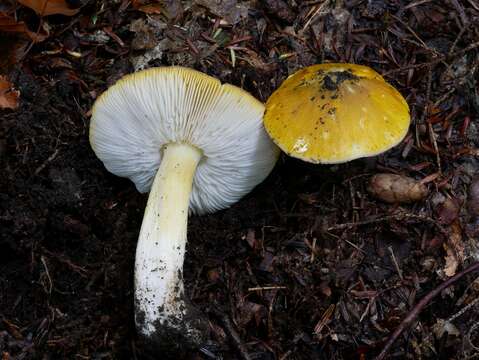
(334, 79)
(309, 265)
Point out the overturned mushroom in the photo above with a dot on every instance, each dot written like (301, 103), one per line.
(199, 146)
(333, 113)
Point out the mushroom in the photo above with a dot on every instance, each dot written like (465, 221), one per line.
(333, 113)
(198, 146)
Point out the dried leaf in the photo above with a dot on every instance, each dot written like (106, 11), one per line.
(172, 9)
(327, 314)
(280, 9)
(214, 275)
(267, 264)
(325, 289)
(394, 188)
(364, 294)
(256, 62)
(473, 200)
(13, 329)
(151, 8)
(228, 10)
(435, 242)
(451, 263)
(8, 95)
(136, 4)
(310, 199)
(435, 15)
(249, 311)
(443, 326)
(9, 25)
(448, 211)
(251, 238)
(454, 249)
(12, 49)
(218, 333)
(146, 36)
(49, 7)
(472, 228)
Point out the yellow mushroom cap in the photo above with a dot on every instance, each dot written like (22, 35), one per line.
(333, 113)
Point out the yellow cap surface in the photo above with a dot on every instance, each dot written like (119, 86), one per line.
(332, 113)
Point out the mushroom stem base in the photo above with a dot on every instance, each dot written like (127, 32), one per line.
(164, 317)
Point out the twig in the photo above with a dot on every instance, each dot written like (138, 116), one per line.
(233, 334)
(416, 36)
(316, 12)
(425, 110)
(434, 61)
(396, 264)
(353, 202)
(313, 249)
(65, 260)
(50, 283)
(463, 310)
(471, 330)
(208, 353)
(433, 139)
(259, 288)
(421, 305)
(346, 240)
(324, 319)
(454, 44)
(40, 24)
(416, 3)
(368, 307)
(474, 4)
(425, 113)
(46, 162)
(462, 13)
(387, 218)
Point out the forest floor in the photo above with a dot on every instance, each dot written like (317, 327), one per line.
(307, 266)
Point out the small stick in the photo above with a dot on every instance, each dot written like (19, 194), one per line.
(285, 355)
(39, 27)
(398, 269)
(434, 61)
(387, 218)
(313, 249)
(462, 13)
(463, 310)
(433, 136)
(471, 330)
(46, 162)
(232, 333)
(316, 12)
(416, 3)
(421, 305)
(324, 319)
(425, 113)
(236, 338)
(346, 240)
(50, 283)
(259, 288)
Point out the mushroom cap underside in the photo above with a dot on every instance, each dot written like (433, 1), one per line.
(135, 118)
(333, 113)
